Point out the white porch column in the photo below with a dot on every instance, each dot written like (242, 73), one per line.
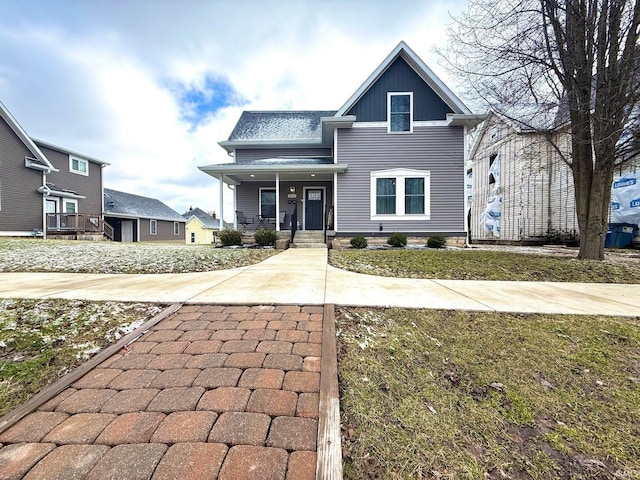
(221, 212)
(277, 220)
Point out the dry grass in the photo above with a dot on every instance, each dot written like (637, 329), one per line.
(41, 340)
(442, 394)
(477, 264)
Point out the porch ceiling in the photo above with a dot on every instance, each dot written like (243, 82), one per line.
(237, 173)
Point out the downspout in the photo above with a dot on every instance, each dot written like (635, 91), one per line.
(335, 182)
(44, 204)
(464, 187)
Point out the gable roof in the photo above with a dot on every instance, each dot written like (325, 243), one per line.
(207, 220)
(421, 68)
(40, 158)
(129, 205)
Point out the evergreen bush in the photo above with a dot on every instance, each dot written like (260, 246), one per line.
(436, 241)
(230, 237)
(359, 242)
(397, 239)
(264, 237)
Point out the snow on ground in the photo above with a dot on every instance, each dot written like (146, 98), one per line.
(37, 255)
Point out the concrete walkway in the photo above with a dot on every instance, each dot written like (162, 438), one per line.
(302, 277)
(241, 382)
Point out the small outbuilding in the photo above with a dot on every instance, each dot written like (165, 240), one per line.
(135, 218)
(202, 228)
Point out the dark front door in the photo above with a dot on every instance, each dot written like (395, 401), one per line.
(313, 202)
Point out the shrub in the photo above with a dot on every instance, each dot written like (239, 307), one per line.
(264, 237)
(359, 242)
(230, 237)
(397, 239)
(436, 241)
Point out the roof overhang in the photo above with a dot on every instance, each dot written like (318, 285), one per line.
(421, 68)
(50, 192)
(329, 124)
(69, 152)
(26, 139)
(128, 216)
(236, 173)
(460, 119)
(230, 146)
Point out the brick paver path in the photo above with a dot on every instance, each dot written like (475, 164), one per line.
(209, 392)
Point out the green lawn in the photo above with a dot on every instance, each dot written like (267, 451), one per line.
(443, 394)
(476, 264)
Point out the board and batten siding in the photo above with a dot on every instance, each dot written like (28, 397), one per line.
(89, 186)
(439, 150)
(400, 77)
(20, 203)
(245, 155)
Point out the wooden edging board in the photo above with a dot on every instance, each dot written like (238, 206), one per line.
(51, 391)
(329, 462)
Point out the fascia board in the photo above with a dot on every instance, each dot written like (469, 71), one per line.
(421, 69)
(229, 146)
(146, 217)
(22, 135)
(69, 152)
(230, 168)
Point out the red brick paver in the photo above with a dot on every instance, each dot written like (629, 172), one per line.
(209, 392)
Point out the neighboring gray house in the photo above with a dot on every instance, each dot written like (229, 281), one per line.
(46, 190)
(201, 228)
(135, 218)
(391, 159)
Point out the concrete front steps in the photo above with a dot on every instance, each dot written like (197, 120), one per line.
(308, 239)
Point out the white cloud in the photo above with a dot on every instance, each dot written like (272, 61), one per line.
(100, 77)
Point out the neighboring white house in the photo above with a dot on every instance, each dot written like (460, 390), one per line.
(519, 188)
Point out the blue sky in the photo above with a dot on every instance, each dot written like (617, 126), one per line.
(152, 86)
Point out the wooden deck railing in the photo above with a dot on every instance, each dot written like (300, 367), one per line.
(71, 223)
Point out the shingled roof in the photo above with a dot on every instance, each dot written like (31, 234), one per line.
(130, 205)
(279, 125)
(206, 219)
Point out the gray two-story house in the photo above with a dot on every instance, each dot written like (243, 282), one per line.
(46, 190)
(391, 159)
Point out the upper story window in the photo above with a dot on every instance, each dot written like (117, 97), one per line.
(400, 112)
(78, 165)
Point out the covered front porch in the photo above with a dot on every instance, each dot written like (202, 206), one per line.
(285, 195)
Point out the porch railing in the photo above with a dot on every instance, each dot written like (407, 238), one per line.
(70, 223)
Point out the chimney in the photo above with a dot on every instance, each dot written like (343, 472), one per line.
(213, 214)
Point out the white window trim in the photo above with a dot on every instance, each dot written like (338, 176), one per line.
(393, 94)
(400, 174)
(152, 224)
(176, 228)
(69, 200)
(79, 160)
(261, 189)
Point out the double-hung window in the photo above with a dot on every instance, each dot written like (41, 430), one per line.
(400, 112)
(79, 166)
(153, 227)
(176, 228)
(400, 194)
